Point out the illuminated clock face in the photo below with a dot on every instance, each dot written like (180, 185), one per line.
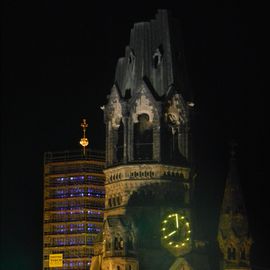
(176, 233)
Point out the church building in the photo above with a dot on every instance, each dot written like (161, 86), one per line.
(149, 218)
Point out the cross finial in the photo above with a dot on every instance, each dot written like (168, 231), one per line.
(84, 140)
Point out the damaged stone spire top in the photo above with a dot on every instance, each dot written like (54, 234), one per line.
(154, 55)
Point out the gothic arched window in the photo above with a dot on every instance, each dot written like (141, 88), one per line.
(118, 243)
(231, 253)
(118, 199)
(143, 138)
(129, 243)
(243, 254)
(171, 144)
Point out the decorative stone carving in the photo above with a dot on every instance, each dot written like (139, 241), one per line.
(114, 108)
(173, 114)
(143, 105)
(144, 171)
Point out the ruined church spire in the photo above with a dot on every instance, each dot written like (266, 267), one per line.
(154, 55)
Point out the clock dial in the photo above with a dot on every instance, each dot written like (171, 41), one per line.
(176, 233)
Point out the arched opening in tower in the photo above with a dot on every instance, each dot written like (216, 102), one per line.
(143, 138)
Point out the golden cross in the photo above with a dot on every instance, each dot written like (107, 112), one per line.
(84, 140)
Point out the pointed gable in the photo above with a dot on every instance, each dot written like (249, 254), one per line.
(143, 102)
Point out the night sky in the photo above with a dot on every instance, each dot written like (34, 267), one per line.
(58, 64)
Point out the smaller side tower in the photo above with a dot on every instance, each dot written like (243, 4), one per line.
(119, 248)
(233, 233)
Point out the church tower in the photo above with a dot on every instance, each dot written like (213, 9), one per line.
(149, 219)
(233, 234)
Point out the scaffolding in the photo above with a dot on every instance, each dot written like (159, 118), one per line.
(73, 206)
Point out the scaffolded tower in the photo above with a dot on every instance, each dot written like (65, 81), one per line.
(73, 206)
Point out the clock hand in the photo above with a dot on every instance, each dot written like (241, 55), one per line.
(176, 218)
(170, 234)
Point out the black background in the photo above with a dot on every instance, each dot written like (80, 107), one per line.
(58, 64)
